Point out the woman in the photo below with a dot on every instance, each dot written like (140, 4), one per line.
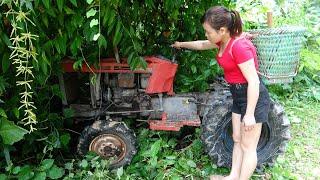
(237, 57)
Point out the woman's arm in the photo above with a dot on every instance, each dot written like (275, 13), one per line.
(195, 45)
(249, 72)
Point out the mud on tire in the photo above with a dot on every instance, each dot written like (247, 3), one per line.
(109, 139)
(217, 135)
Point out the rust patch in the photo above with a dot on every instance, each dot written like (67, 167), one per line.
(126, 80)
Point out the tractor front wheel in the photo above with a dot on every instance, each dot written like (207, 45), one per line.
(109, 139)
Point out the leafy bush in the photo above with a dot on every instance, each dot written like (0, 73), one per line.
(91, 167)
(84, 31)
(88, 30)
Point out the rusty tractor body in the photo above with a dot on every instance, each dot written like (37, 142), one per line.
(112, 91)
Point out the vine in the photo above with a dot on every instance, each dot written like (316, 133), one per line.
(23, 53)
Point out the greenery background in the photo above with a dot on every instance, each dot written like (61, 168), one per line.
(85, 30)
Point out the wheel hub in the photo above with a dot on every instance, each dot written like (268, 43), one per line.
(109, 146)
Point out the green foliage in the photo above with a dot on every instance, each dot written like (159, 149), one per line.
(87, 30)
(46, 169)
(313, 19)
(3, 85)
(91, 167)
(9, 132)
(254, 12)
(158, 158)
(196, 70)
(162, 155)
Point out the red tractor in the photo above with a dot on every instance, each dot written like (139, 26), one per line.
(147, 94)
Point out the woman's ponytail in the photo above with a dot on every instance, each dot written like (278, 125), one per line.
(219, 16)
(235, 27)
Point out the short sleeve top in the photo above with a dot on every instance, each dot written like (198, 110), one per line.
(237, 51)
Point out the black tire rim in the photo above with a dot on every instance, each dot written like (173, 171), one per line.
(228, 140)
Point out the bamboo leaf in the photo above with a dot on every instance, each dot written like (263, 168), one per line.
(117, 35)
(57, 46)
(112, 17)
(16, 112)
(74, 2)
(62, 40)
(43, 63)
(110, 28)
(133, 64)
(75, 45)
(46, 3)
(129, 49)
(102, 42)
(68, 10)
(137, 47)
(143, 63)
(5, 62)
(45, 20)
(51, 11)
(130, 57)
(106, 16)
(5, 39)
(60, 4)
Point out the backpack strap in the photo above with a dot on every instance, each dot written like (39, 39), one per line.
(231, 54)
(231, 46)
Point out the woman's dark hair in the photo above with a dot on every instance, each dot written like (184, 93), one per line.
(219, 16)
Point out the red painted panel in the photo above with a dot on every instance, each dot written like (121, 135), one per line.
(160, 81)
(163, 73)
(167, 125)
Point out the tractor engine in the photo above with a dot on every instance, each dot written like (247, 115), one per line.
(119, 92)
(126, 93)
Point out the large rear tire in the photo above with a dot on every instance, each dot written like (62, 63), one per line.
(109, 139)
(217, 135)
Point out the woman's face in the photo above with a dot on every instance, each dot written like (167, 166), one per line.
(212, 35)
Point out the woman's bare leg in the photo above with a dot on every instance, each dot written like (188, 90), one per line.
(249, 142)
(237, 151)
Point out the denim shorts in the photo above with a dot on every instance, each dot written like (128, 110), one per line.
(239, 106)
